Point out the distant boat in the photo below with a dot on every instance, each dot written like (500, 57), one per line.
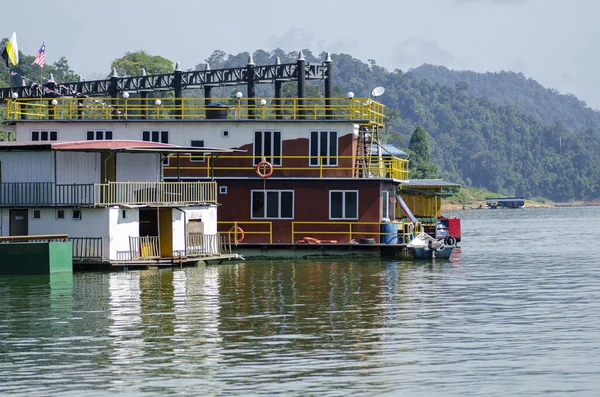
(505, 202)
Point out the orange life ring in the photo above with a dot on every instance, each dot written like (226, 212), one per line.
(264, 169)
(238, 233)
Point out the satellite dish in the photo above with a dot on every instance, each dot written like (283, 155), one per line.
(377, 91)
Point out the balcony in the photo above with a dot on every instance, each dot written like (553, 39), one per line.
(363, 110)
(42, 194)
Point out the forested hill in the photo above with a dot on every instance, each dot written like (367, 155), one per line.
(480, 143)
(514, 89)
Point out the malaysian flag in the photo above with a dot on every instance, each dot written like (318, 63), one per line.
(40, 57)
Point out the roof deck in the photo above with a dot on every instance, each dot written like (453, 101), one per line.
(360, 110)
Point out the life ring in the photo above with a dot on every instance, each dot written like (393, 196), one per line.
(264, 169)
(450, 241)
(238, 233)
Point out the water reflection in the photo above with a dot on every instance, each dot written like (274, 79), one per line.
(511, 318)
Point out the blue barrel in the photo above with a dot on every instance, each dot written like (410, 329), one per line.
(389, 233)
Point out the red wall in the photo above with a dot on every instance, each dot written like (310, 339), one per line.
(311, 203)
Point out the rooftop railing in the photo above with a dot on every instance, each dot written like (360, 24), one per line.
(290, 166)
(39, 194)
(363, 110)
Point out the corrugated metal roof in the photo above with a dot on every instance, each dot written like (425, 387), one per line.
(421, 183)
(387, 149)
(124, 145)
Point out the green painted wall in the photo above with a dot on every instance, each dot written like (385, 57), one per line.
(36, 257)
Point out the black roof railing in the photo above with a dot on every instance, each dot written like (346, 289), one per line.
(250, 75)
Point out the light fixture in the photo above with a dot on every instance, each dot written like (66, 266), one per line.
(350, 95)
(125, 94)
(54, 102)
(15, 95)
(238, 95)
(263, 102)
(158, 102)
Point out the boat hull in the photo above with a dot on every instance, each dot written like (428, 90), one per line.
(426, 253)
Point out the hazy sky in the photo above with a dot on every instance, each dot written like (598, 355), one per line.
(553, 41)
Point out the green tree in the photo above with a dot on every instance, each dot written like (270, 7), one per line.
(420, 164)
(132, 63)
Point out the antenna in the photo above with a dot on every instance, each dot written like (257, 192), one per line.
(377, 91)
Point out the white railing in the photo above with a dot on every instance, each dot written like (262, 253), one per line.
(144, 247)
(155, 193)
(203, 244)
(87, 248)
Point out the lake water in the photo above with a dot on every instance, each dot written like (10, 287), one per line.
(515, 312)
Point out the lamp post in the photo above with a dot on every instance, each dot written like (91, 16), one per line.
(158, 102)
(350, 98)
(125, 97)
(239, 96)
(52, 109)
(263, 103)
(15, 96)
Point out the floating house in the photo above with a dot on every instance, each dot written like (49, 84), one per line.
(108, 197)
(505, 202)
(297, 170)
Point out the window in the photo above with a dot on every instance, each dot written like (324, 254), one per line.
(225, 134)
(267, 144)
(272, 204)
(385, 206)
(157, 136)
(197, 157)
(76, 214)
(60, 214)
(222, 189)
(323, 148)
(44, 135)
(37, 214)
(343, 204)
(99, 135)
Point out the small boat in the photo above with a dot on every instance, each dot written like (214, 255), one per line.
(423, 246)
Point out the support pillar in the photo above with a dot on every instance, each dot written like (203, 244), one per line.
(113, 92)
(328, 86)
(301, 84)
(178, 91)
(250, 87)
(278, 91)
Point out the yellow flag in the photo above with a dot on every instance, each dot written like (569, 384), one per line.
(11, 51)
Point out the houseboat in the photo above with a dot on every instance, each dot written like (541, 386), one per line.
(505, 202)
(107, 197)
(302, 177)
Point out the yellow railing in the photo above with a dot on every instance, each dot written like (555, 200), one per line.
(238, 233)
(154, 193)
(386, 167)
(343, 229)
(364, 110)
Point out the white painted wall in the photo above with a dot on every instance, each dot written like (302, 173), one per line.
(182, 133)
(208, 216)
(93, 222)
(77, 167)
(120, 229)
(27, 167)
(178, 230)
(138, 167)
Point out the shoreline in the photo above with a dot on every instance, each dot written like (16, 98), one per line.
(528, 204)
